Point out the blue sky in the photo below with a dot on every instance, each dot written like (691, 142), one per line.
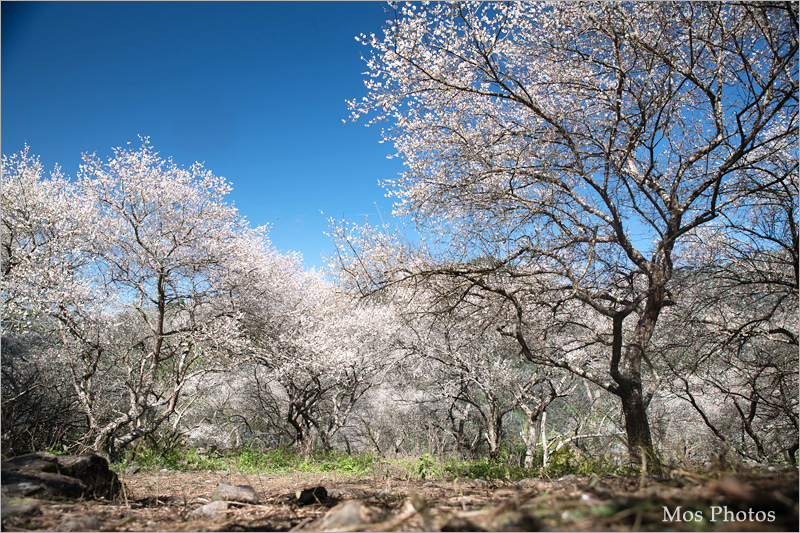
(255, 90)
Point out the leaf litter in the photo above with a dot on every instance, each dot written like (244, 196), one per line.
(155, 500)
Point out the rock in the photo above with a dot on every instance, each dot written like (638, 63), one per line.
(45, 485)
(59, 476)
(131, 470)
(31, 464)
(19, 507)
(234, 493)
(80, 523)
(313, 495)
(211, 510)
(92, 471)
(347, 515)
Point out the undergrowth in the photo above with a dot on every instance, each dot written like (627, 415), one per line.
(245, 459)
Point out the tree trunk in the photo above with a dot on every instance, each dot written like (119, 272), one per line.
(493, 427)
(626, 369)
(543, 433)
(637, 426)
(529, 436)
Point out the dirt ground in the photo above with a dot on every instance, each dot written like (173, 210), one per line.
(159, 500)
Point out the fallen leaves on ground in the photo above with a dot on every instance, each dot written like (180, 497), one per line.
(685, 501)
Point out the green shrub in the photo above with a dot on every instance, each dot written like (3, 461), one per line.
(249, 459)
(487, 469)
(426, 466)
(564, 461)
(569, 460)
(341, 463)
(152, 457)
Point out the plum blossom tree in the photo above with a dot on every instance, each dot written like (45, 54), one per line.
(47, 225)
(738, 321)
(475, 368)
(317, 354)
(136, 264)
(48, 297)
(579, 145)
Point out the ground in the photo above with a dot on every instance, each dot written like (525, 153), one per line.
(161, 500)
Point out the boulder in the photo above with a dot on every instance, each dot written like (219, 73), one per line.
(47, 475)
(41, 485)
(34, 463)
(213, 510)
(93, 471)
(234, 493)
(343, 516)
(350, 515)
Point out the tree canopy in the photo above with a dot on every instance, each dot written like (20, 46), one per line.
(585, 146)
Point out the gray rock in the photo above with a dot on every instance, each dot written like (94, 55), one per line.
(349, 516)
(21, 462)
(34, 463)
(344, 515)
(19, 507)
(80, 523)
(93, 471)
(234, 493)
(44, 485)
(211, 510)
(59, 476)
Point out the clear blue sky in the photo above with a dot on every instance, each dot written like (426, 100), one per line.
(255, 90)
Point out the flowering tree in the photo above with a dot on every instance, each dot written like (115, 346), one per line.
(738, 320)
(47, 227)
(736, 372)
(318, 353)
(136, 265)
(577, 145)
(469, 364)
(48, 297)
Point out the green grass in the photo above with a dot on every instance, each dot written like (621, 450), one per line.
(487, 469)
(252, 460)
(425, 467)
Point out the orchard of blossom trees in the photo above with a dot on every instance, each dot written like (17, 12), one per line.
(595, 249)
